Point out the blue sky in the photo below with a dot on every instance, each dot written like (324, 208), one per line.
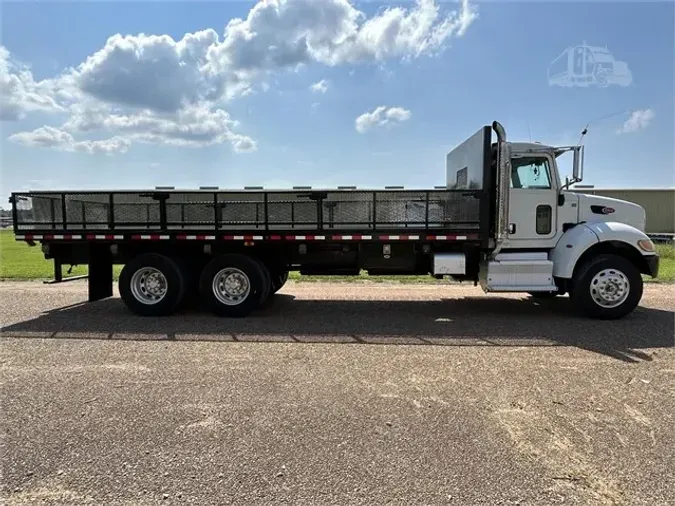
(123, 121)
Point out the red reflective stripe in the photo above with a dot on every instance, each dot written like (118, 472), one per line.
(28, 237)
(203, 237)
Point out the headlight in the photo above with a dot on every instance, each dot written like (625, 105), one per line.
(646, 245)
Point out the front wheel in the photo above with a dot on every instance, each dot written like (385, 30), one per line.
(607, 287)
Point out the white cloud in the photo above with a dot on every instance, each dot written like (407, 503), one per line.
(193, 127)
(21, 94)
(108, 146)
(381, 116)
(150, 71)
(159, 73)
(154, 88)
(49, 137)
(45, 137)
(320, 87)
(638, 120)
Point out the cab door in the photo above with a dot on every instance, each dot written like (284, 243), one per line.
(533, 202)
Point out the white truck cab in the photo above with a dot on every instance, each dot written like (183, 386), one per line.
(550, 241)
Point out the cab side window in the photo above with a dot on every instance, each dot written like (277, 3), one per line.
(530, 174)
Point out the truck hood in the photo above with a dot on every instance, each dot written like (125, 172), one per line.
(594, 208)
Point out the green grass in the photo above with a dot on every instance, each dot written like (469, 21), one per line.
(18, 261)
(667, 265)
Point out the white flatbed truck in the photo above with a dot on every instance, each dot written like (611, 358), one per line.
(505, 221)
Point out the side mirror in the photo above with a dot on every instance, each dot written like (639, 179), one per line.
(578, 164)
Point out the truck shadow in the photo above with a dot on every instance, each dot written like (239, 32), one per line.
(468, 321)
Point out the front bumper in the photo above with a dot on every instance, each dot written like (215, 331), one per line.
(653, 265)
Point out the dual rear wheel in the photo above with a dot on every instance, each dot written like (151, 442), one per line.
(230, 285)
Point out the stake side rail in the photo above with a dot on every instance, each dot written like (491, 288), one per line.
(281, 215)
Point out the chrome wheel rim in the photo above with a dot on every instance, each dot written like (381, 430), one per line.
(149, 285)
(231, 286)
(609, 288)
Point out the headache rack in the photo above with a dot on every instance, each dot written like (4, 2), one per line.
(252, 211)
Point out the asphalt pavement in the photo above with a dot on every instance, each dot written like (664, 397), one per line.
(336, 394)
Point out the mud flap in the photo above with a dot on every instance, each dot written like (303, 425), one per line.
(100, 272)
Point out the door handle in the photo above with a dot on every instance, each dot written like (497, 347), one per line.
(512, 228)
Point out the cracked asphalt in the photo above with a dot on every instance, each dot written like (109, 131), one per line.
(336, 394)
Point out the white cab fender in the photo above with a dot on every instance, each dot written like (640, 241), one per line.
(577, 240)
(569, 249)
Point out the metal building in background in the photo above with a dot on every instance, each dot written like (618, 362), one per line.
(659, 204)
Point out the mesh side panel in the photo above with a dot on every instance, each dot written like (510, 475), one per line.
(40, 211)
(348, 210)
(291, 210)
(241, 210)
(454, 210)
(87, 211)
(400, 208)
(190, 210)
(135, 210)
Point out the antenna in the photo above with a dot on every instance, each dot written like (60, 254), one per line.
(583, 132)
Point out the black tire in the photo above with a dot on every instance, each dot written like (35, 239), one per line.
(175, 285)
(279, 280)
(584, 293)
(267, 288)
(254, 276)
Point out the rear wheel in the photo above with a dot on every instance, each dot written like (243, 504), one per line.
(607, 287)
(233, 285)
(152, 285)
